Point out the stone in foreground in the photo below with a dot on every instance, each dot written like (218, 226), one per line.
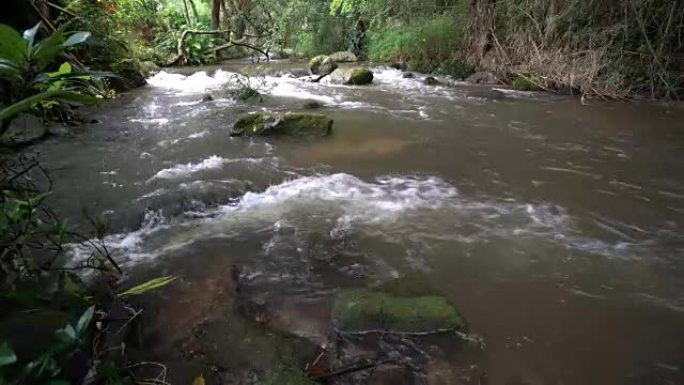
(23, 129)
(358, 311)
(322, 65)
(352, 76)
(278, 123)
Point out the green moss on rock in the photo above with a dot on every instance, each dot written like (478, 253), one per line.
(525, 83)
(352, 76)
(364, 310)
(289, 123)
(322, 65)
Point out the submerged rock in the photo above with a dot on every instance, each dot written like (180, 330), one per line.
(352, 76)
(344, 56)
(486, 94)
(149, 68)
(23, 129)
(483, 77)
(408, 75)
(399, 65)
(207, 98)
(312, 105)
(358, 311)
(322, 65)
(276, 123)
(431, 81)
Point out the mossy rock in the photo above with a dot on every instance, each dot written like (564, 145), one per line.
(359, 310)
(525, 83)
(289, 123)
(431, 81)
(322, 65)
(23, 129)
(352, 76)
(344, 56)
(288, 377)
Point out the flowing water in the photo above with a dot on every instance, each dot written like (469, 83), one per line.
(555, 228)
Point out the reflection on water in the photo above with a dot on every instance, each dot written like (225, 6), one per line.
(554, 227)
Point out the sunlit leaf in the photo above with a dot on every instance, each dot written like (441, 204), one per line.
(148, 286)
(30, 35)
(84, 321)
(199, 380)
(7, 356)
(76, 38)
(67, 334)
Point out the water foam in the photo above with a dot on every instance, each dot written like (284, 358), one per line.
(211, 163)
(197, 82)
(386, 195)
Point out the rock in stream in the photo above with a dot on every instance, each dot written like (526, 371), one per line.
(288, 123)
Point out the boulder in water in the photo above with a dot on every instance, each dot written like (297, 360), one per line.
(362, 310)
(149, 68)
(322, 65)
(408, 75)
(431, 81)
(276, 123)
(312, 105)
(23, 129)
(352, 76)
(344, 56)
(207, 98)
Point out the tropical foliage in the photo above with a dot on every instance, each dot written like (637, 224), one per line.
(23, 67)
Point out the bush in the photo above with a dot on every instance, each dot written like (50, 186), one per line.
(430, 44)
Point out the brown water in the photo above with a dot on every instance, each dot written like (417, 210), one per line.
(555, 228)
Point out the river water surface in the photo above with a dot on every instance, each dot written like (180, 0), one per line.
(555, 228)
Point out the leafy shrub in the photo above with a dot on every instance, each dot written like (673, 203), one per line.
(23, 67)
(431, 44)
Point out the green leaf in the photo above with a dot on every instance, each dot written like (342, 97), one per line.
(67, 334)
(65, 68)
(75, 98)
(59, 382)
(30, 35)
(47, 50)
(9, 70)
(7, 356)
(76, 38)
(84, 321)
(68, 96)
(148, 286)
(12, 46)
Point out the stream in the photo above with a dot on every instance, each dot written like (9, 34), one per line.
(553, 227)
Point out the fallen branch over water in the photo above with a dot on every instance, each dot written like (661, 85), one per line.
(180, 46)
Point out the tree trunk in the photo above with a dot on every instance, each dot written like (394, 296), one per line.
(215, 13)
(186, 13)
(194, 10)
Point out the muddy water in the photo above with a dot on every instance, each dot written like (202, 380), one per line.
(555, 228)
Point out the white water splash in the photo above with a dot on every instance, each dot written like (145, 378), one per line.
(211, 163)
(197, 82)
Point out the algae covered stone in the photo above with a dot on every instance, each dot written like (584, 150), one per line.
(278, 123)
(361, 310)
(344, 56)
(322, 65)
(352, 76)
